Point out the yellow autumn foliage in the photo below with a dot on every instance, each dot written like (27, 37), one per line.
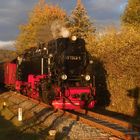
(119, 51)
(38, 27)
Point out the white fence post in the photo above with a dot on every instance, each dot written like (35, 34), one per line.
(19, 114)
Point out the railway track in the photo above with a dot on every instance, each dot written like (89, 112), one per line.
(118, 128)
(39, 119)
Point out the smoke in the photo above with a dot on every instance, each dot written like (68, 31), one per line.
(64, 32)
(58, 30)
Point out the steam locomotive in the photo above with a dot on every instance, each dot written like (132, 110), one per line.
(59, 73)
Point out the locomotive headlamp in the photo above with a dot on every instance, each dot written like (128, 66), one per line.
(64, 77)
(73, 38)
(91, 62)
(87, 77)
(45, 48)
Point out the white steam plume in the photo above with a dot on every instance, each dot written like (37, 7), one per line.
(64, 32)
(58, 30)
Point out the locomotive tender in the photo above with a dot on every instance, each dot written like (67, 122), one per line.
(59, 73)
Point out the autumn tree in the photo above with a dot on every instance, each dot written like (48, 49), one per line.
(38, 28)
(79, 22)
(7, 55)
(131, 15)
(119, 52)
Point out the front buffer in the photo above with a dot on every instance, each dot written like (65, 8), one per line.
(75, 98)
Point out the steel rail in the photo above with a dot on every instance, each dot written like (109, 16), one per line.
(111, 125)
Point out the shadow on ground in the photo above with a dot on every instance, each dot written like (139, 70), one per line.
(134, 118)
(10, 132)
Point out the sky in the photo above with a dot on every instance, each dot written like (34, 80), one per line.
(15, 12)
